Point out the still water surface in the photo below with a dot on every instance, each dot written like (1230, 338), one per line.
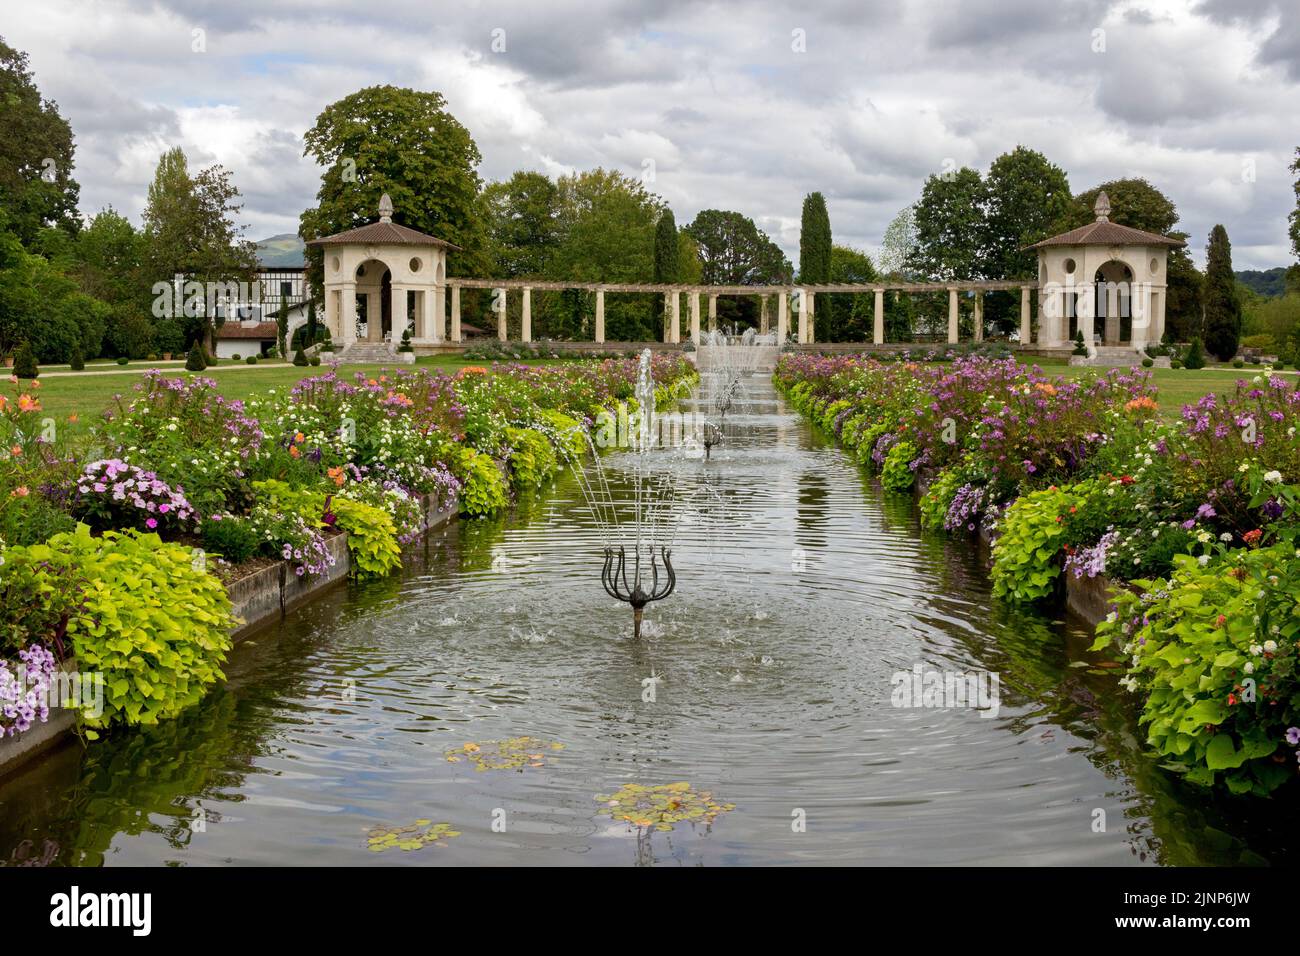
(797, 600)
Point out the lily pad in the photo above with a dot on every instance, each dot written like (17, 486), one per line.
(661, 807)
(516, 753)
(418, 835)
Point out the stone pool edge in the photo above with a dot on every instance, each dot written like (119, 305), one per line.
(257, 599)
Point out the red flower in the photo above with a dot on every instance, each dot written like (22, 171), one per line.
(1220, 621)
(1252, 537)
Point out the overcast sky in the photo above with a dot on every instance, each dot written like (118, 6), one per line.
(744, 106)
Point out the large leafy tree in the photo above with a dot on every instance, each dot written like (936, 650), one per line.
(36, 154)
(404, 142)
(1222, 302)
(521, 218)
(734, 251)
(1025, 195)
(850, 315)
(898, 245)
(607, 229)
(949, 220)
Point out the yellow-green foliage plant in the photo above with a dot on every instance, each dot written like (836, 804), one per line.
(372, 536)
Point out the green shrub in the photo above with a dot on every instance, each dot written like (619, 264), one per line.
(896, 475)
(1195, 357)
(565, 432)
(937, 498)
(1027, 555)
(233, 538)
(1175, 363)
(194, 362)
(235, 357)
(483, 489)
(1238, 363)
(151, 620)
(251, 360)
(1262, 341)
(372, 536)
(532, 458)
(77, 361)
(1148, 363)
(299, 357)
(314, 360)
(1195, 643)
(25, 361)
(1080, 347)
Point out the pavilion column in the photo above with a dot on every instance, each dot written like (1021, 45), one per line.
(526, 317)
(782, 317)
(674, 317)
(809, 313)
(455, 314)
(695, 317)
(1085, 310)
(979, 316)
(1110, 335)
(501, 315)
(1026, 321)
(374, 317)
(401, 314)
(436, 327)
(348, 314)
(803, 316)
(600, 316)
(424, 331)
(713, 313)
(954, 330)
(878, 327)
(1141, 323)
(762, 315)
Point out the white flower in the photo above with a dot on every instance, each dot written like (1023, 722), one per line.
(1256, 650)
(1249, 668)
(1273, 477)
(1244, 467)
(1203, 560)
(1226, 536)
(1205, 537)
(1270, 647)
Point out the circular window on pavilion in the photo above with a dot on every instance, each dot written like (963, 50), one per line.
(335, 264)
(1155, 265)
(1069, 266)
(415, 263)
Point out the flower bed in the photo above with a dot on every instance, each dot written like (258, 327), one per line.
(1194, 520)
(114, 553)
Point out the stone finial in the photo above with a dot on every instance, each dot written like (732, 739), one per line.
(385, 208)
(1102, 208)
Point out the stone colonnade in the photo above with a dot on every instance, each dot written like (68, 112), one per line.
(801, 300)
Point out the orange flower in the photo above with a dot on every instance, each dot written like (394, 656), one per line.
(293, 451)
(1142, 403)
(299, 438)
(371, 382)
(337, 475)
(1047, 388)
(19, 492)
(73, 418)
(471, 370)
(16, 451)
(28, 404)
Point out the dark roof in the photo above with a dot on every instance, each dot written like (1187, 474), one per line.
(384, 233)
(1107, 234)
(233, 330)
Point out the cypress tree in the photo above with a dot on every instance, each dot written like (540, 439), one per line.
(1222, 305)
(194, 361)
(815, 247)
(667, 266)
(25, 361)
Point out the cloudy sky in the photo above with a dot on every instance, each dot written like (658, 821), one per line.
(742, 105)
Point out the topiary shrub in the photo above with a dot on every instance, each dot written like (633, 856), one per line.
(1195, 357)
(300, 357)
(1079, 347)
(194, 361)
(77, 361)
(251, 360)
(314, 360)
(1148, 363)
(122, 360)
(1175, 363)
(25, 362)
(1238, 363)
(236, 357)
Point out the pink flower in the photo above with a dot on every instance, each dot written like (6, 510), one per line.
(151, 523)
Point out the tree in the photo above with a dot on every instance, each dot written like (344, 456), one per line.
(898, 245)
(1295, 213)
(850, 316)
(190, 230)
(1026, 195)
(36, 154)
(950, 231)
(814, 241)
(667, 268)
(734, 251)
(389, 139)
(520, 217)
(1222, 304)
(196, 361)
(25, 361)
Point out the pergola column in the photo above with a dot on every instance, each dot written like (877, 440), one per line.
(348, 314)
(782, 316)
(803, 316)
(674, 317)
(762, 315)
(878, 326)
(439, 314)
(979, 316)
(600, 316)
(1026, 322)
(954, 330)
(425, 329)
(695, 317)
(455, 315)
(501, 315)
(526, 317)
(713, 313)
(400, 314)
(808, 313)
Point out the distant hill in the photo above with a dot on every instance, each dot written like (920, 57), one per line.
(1268, 282)
(282, 250)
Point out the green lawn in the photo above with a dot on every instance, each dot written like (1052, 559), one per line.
(88, 394)
(1177, 386)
